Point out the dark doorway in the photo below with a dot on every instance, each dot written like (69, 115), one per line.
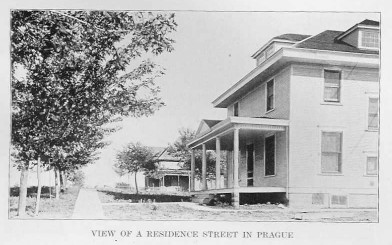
(250, 163)
(270, 155)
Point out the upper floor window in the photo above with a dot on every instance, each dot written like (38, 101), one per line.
(373, 114)
(261, 58)
(235, 109)
(332, 86)
(370, 39)
(371, 166)
(331, 152)
(269, 51)
(270, 95)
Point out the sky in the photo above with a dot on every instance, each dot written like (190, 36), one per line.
(212, 52)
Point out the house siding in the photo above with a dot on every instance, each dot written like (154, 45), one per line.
(253, 104)
(280, 177)
(309, 116)
(352, 38)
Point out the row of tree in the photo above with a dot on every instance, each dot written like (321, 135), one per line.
(71, 78)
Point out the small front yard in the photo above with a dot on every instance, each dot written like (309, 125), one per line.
(162, 211)
(128, 206)
(49, 208)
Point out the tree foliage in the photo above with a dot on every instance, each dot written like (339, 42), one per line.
(134, 158)
(77, 77)
(73, 72)
(179, 149)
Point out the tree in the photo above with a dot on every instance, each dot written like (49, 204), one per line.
(71, 76)
(179, 149)
(133, 158)
(76, 177)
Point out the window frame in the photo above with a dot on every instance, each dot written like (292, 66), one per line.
(368, 128)
(341, 153)
(236, 105)
(271, 49)
(254, 164)
(264, 156)
(330, 101)
(361, 37)
(273, 95)
(339, 195)
(366, 165)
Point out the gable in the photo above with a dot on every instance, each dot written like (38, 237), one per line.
(206, 125)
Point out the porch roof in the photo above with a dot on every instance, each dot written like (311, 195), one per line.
(230, 123)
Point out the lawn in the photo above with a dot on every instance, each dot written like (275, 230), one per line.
(163, 211)
(49, 208)
(127, 206)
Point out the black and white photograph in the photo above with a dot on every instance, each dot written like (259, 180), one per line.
(254, 118)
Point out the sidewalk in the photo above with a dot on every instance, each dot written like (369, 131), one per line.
(88, 205)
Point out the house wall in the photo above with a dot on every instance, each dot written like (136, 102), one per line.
(352, 38)
(309, 115)
(253, 104)
(280, 177)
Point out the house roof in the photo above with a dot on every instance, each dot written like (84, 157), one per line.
(287, 38)
(211, 123)
(332, 50)
(292, 37)
(369, 23)
(327, 40)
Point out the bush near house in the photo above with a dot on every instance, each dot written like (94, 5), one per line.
(113, 196)
(32, 191)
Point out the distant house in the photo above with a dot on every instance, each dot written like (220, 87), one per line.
(170, 174)
(303, 125)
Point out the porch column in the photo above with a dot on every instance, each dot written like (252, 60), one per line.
(236, 194)
(204, 168)
(217, 163)
(189, 182)
(192, 180)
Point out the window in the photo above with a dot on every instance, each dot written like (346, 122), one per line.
(261, 58)
(331, 152)
(269, 151)
(339, 200)
(236, 109)
(331, 86)
(270, 95)
(373, 114)
(371, 166)
(269, 51)
(370, 39)
(318, 198)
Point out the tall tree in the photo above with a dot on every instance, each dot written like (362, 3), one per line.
(71, 75)
(179, 149)
(134, 158)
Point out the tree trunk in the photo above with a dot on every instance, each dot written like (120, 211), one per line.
(129, 181)
(57, 182)
(63, 181)
(39, 186)
(23, 190)
(137, 190)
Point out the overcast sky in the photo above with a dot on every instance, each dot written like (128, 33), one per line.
(212, 52)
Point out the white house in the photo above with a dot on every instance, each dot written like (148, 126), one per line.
(302, 126)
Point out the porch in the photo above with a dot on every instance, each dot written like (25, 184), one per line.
(251, 152)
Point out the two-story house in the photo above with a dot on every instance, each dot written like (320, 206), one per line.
(303, 125)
